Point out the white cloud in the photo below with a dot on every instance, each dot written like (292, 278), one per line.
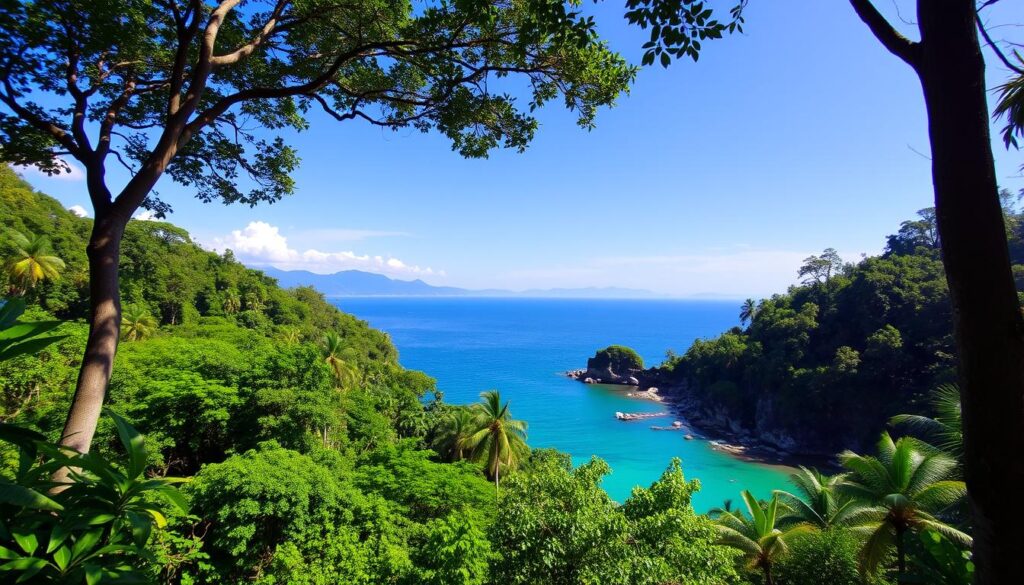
(79, 210)
(146, 215)
(261, 244)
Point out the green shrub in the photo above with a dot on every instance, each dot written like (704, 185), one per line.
(620, 357)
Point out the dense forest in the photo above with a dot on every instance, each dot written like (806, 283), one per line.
(825, 365)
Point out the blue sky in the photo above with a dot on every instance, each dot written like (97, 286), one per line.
(709, 179)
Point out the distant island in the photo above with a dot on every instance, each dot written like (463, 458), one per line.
(357, 283)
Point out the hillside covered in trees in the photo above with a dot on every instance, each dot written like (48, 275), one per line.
(825, 365)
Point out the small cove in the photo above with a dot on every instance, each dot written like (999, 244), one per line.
(522, 346)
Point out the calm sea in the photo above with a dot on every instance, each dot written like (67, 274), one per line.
(521, 347)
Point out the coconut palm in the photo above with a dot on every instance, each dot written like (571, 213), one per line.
(137, 323)
(945, 430)
(748, 311)
(344, 372)
(453, 435)
(903, 488)
(232, 304)
(756, 534)
(499, 439)
(819, 501)
(32, 262)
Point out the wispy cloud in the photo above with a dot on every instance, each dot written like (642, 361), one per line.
(347, 235)
(735, 272)
(263, 244)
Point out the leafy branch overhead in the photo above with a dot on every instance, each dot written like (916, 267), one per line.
(678, 27)
(203, 92)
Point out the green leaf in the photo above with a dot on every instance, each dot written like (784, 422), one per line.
(57, 537)
(133, 443)
(27, 541)
(30, 568)
(86, 542)
(8, 554)
(24, 497)
(10, 311)
(93, 574)
(62, 557)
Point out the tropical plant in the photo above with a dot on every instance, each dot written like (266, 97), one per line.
(137, 323)
(231, 303)
(499, 440)
(454, 432)
(756, 534)
(334, 348)
(748, 311)
(92, 529)
(17, 339)
(903, 488)
(945, 429)
(33, 261)
(819, 502)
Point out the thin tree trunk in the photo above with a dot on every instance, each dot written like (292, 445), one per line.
(901, 557)
(768, 579)
(104, 330)
(987, 317)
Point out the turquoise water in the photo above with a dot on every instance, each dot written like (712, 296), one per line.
(521, 347)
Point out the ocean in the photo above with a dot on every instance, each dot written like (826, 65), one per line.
(522, 347)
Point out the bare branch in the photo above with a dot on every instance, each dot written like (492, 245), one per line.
(995, 47)
(892, 40)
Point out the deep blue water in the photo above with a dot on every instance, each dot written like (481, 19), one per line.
(521, 347)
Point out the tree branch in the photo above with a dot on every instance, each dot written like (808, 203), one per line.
(998, 51)
(247, 49)
(892, 40)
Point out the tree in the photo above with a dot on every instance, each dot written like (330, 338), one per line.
(988, 325)
(820, 502)
(756, 534)
(137, 323)
(452, 440)
(748, 310)
(500, 439)
(904, 487)
(821, 269)
(196, 90)
(32, 263)
(334, 348)
(945, 429)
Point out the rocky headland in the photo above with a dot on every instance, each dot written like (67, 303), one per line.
(618, 365)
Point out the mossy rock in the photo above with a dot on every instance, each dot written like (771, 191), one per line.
(621, 359)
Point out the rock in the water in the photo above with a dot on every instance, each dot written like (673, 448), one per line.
(688, 437)
(633, 381)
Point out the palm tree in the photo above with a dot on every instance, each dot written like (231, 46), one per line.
(903, 488)
(945, 430)
(820, 502)
(137, 323)
(334, 348)
(33, 262)
(748, 311)
(499, 439)
(232, 304)
(756, 534)
(453, 436)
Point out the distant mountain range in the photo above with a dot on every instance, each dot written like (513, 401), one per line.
(356, 283)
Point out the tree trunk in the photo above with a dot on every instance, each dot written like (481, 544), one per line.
(768, 579)
(901, 557)
(104, 330)
(987, 317)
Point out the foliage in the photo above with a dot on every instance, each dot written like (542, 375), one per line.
(556, 525)
(905, 488)
(757, 535)
(33, 262)
(827, 556)
(827, 363)
(499, 440)
(136, 323)
(820, 501)
(945, 429)
(619, 357)
(98, 528)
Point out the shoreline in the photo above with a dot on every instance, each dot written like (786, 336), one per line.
(719, 439)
